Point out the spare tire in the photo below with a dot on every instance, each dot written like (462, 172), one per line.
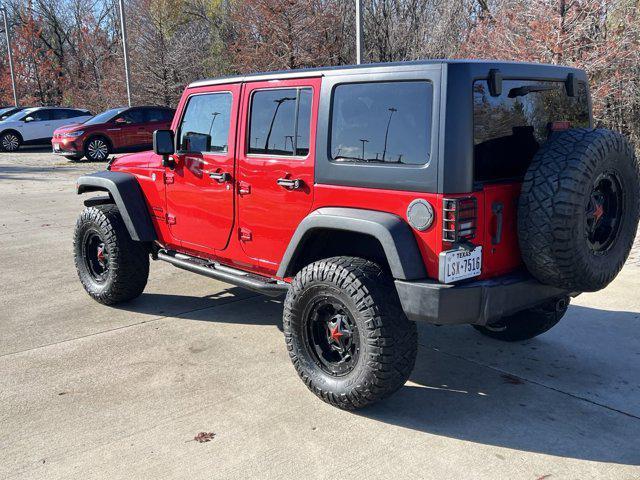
(578, 209)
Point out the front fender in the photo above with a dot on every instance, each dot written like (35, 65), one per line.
(393, 233)
(128, 197)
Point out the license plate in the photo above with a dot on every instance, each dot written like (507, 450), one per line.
(459, 264)
(56, 147)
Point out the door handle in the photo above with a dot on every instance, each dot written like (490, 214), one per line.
(221, 177)
(289, 183)
(497, 209)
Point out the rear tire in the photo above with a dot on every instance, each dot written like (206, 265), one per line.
(111, 266)
(10, 141)
(346, 333)
(526, 324)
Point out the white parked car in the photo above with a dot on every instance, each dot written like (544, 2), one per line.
(35, 126)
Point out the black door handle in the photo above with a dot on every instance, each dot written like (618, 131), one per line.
(289, 183)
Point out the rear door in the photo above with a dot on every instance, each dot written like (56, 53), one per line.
(275, 165)
(200, 190)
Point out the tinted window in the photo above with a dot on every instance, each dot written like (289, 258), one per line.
(304, 122)
(279, 123)
(509, 129)
(39, 115)
(64, 113)
(382, 123)
(132, 116)
(104, 116)
(158, 115)
(205, 124)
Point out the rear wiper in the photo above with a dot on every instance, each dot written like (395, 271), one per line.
(526, 89)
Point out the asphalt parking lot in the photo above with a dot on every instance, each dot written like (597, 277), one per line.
(88, 391)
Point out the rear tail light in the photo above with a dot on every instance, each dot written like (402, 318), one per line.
(459, 219)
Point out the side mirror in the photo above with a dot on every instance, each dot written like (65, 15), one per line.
(28, 119)
(163, 145)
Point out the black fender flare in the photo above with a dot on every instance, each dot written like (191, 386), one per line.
(393, 233)
(126, 193)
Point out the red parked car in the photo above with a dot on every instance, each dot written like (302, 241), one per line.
(113, 131)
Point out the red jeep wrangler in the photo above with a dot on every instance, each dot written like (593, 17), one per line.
(452, 192)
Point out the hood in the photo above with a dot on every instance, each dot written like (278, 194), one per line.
(132, 160)
(67, 128)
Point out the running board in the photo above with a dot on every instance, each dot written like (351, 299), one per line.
(257, 283)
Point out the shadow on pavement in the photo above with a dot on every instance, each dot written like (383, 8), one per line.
(456, 397)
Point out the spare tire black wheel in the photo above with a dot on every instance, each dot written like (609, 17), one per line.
(578, 209)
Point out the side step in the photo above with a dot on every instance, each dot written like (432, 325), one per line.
(257, 283)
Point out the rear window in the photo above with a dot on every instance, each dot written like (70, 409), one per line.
(508, 130)
(382, 122)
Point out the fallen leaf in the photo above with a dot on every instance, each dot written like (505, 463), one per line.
(204, 437)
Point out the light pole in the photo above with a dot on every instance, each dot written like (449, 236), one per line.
(359, 32)
(6, 32)
(364, 141)
(392, 110)
(278, 103)
(123, 27)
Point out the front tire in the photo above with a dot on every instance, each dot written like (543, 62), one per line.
(527, 324)
(97, 149)
(10, 141)
(111, 266)
(346, 333)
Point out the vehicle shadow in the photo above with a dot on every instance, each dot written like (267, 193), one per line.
(467, 397)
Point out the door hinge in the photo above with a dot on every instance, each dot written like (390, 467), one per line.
(244, 188)
(245, 234)
(171, 219)
(169, 178)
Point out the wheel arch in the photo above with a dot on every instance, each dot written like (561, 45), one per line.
(124, 190)
(378, 236)
(12, 130)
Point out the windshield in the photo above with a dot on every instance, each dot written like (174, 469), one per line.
(104, 116)
(509, 129)
(19, 115)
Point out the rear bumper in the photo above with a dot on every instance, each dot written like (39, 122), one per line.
(478, 302)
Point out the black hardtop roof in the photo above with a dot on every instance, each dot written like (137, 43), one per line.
(476, 68)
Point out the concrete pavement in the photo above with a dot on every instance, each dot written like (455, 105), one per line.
(88, 391)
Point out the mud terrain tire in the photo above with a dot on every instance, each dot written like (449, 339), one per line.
(578, 210)
(527, 324)
(361, 294)
(112, 267)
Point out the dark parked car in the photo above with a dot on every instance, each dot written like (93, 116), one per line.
(112, 131)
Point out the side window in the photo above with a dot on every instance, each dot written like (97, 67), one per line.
(40, 115)
(64, 113)
(131, 116)
(384, 122)
(279, 122)
(205, 123)
(158, 115)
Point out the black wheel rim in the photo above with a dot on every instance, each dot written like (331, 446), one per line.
(332, 336)
(604, 212)
(96, 256)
